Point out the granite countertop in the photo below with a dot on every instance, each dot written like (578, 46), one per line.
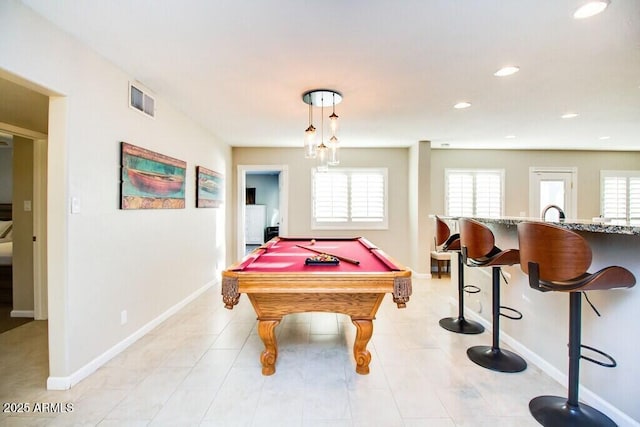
(569, 224)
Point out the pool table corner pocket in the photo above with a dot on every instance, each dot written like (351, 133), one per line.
(230, 294)
(402, 291)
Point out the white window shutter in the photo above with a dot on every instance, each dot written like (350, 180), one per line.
(460, 194)
(331, 198)
(488, 195)
(350, 198)
(614, 197)
(474, 193)
(634, 199)
(367, 196)
(620, 195)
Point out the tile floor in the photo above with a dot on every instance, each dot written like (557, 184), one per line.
(201, 367)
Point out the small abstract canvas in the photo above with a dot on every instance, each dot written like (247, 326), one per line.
(209, 188)
(151, 180)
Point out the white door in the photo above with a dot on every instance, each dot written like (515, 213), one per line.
(552, 187)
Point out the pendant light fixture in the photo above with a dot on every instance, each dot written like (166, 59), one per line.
(325, 154)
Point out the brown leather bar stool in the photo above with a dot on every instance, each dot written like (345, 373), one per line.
(450, 243)
(557, 260)
(479, 250)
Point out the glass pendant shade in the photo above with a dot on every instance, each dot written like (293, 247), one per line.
(310, 142)
(333, 120)
(334, 152)
(323, 158)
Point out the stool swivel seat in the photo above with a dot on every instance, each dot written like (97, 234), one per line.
(557, 260)
(478, 250)
(451, 242)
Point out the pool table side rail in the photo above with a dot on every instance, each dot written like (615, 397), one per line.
(234, 283)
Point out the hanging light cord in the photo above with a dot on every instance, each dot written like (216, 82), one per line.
(322, 119)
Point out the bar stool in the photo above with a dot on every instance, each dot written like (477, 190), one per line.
(479, 250)
(557, 260)
(450, 243)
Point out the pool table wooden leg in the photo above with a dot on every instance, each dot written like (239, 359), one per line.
(364, 330)
(267, 332)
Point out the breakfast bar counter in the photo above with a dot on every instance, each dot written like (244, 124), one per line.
(569, 224)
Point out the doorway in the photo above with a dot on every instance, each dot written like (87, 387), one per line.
(29, 221)
(262, 212)
(553, 187)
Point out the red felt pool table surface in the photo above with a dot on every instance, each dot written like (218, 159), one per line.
(289, 255)
(278, 282)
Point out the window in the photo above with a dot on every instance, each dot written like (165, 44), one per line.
(620, 196)
(470, 192)
(349, 199)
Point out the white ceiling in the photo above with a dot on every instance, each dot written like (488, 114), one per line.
(239, 67)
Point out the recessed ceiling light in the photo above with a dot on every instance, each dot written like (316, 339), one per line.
(591, 8)
(506, 71)
(463, 104)
(510, 136)
(604, 137)
(569, 115)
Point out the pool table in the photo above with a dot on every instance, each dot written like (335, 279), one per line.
(277, 280)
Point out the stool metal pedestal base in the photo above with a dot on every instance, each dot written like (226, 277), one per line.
(461, 325)
(496, 359)
(555, 411)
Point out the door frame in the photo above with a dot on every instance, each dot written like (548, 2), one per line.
(283, 186)
(573, 193)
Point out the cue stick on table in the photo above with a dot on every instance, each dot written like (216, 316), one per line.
(341, 258)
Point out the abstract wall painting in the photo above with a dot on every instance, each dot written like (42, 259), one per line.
(209, 188)
(151, 180)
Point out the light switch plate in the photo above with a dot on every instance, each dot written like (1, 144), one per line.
(75, 205)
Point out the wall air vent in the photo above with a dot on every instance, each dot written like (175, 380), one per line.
(141, 100)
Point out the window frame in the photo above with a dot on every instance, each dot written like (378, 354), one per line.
(350, 224)
(627, 175)
(474, 172)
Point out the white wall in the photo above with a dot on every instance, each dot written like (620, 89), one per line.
(110, 260)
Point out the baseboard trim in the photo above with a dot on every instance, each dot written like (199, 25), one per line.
(22, 313)
(65, 383)
(420, 275)
(586, 395)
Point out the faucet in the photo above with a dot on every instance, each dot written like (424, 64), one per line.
(560, 212)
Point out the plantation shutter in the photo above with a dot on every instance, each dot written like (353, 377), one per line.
(614, 204)
(367, 196)
(460, 194)
(473, 193)
(620, 195)
(488, 195)
(331, 197)
(354, 198)
(634, 200)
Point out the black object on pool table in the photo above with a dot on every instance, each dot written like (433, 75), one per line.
(341, 258)
(322, 259)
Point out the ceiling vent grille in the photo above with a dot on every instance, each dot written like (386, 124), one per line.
(141, 100)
